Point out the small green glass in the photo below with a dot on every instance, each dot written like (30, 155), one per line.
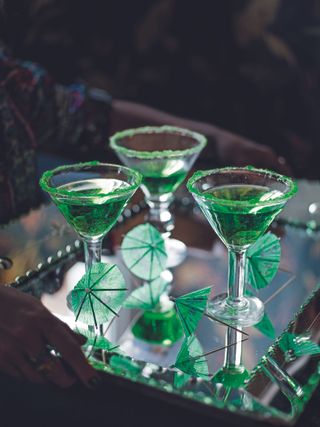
(163, 155)
(159, 327)
(239, 204)
(91, 196)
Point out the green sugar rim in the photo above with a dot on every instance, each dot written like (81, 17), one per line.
(54, 191)
(203, 173)
(201, 140)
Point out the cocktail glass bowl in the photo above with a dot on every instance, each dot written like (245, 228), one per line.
(240, 204)
(163, 155)
(91, 196)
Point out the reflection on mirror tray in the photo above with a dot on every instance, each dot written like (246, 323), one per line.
(267, 372)
(303, 211)
(215, 364)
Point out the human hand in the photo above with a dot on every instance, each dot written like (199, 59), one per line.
(224, 148)
(234, 150)
(28, 333)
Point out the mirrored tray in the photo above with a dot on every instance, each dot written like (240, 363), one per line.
(303, 210)
(42, 256)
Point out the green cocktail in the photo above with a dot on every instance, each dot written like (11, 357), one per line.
(161, 327)
(92, 215)
(240, 204)
(163, 155)
(91, 196)
(162, 184)
(236, 228)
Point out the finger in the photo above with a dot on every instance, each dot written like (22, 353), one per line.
(26, 369)
(54, 371)
(44, 367)
(268, 158)
(77, 335)
(13, 360)
(65, 343)
(284, 166)
(81, 339)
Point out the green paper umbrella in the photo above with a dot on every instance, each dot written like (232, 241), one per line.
(98, 296)
(147, 297)
(125, 364)
(231, 378)
(191, 359)
(298, 345)
(180, 379)
(143, 252)
(97, 342)
(190, 309)
(265, 326)
(263, 259)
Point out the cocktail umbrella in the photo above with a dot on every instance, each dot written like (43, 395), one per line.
(191, 307)
(180, 379)
(263, 259)
(147, 297)
(191, 359)
(265, 326)
(98, 296)
(97, 342)
(298, 345)
(125, 365)
(143, 252)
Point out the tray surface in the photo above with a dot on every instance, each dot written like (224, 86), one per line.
(46, 261)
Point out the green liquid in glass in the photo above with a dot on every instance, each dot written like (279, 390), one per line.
(240, 224)
(158, 327)
(163, 184)
(94, 213)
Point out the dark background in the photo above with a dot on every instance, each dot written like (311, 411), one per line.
(251, 66)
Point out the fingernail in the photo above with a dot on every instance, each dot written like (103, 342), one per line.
(94, 382)
(82, 339)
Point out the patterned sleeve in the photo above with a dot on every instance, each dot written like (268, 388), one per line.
(63, 119)
(37, 114)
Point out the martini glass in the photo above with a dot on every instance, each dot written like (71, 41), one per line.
(163, 155)
(91, 196)
(240, 204)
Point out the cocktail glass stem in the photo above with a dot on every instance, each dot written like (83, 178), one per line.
(236, 278)
(161, 218)
(233, 353)
(233, 374)
(159, 214)
(92, 253)
(236, 307)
